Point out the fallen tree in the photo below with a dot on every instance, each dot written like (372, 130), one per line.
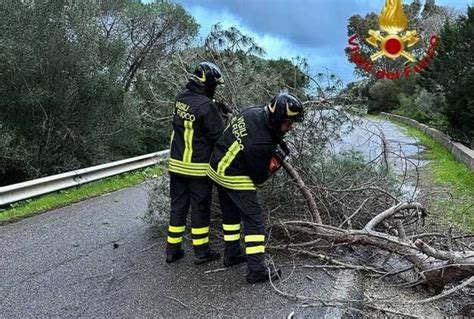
(360, 204)
(435, 267)
(351, 201)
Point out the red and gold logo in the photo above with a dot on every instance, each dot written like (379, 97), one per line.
(392, 41)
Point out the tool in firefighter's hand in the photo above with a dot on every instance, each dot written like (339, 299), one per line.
(280, 155)
(282, 151)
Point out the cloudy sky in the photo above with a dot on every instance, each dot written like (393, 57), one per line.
(315, 29)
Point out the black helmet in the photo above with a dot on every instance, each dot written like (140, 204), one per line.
(285, 106)
(208, 75)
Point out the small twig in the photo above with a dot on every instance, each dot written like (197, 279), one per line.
(215, 270)
(398, 271)
(328, 273)
(324, 266)
(111, 276)
(175, 299)
(426, 235)
(446, 293)
(355, 213)
(392, 311)
(149, 247)
(333, 261)
(293, 268)
(111, 273)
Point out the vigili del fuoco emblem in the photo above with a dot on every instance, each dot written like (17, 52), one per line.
(392, 41)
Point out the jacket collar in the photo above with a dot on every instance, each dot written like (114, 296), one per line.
(195, 88)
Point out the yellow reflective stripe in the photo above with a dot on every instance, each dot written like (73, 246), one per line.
(203, 78)
(191, 169)
(188, 141)
(230, 227)
(200, 231)
(254, 250)
(232, 237)
(200, 241)
(232, 152)
(231, 182)
(175, 240)
(186, 172)
(189, 165)
(272, 108)
(232, 186)
(176, 229)
(254, 238)
(289, 112)
(232, 179)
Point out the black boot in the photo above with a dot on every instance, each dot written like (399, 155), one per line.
(204, 254)
(173, 253)
(234, 260)
(233, 254)
(254, 277)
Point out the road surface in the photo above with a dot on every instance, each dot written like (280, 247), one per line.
(98, 258)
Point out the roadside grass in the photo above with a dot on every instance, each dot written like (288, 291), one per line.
(72, 195)
(447, 172)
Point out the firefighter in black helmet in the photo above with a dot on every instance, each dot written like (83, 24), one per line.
(243, 157)
(197, 124)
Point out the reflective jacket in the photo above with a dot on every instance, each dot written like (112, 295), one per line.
(197, 124)
(242, 155)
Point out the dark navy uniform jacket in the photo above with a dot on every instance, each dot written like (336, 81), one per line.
(197, 125)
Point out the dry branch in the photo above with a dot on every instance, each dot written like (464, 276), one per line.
(313, 208)
(437, 267)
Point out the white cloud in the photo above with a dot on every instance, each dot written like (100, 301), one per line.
(318, 58)
(274, 46)
(322, 21)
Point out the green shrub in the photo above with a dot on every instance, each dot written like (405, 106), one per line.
(383, 96)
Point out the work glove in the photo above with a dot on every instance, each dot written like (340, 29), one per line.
(274, 165)
(277, 159)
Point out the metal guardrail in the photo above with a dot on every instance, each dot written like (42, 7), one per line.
(25, 190)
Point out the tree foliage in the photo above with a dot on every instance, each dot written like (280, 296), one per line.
(451, 75)
(64, 78)
(383, 96)
(88, 83)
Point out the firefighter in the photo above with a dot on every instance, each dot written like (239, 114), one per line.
(244, 156)
(197, 124)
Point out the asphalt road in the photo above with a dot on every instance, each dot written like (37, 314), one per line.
(98, 258)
